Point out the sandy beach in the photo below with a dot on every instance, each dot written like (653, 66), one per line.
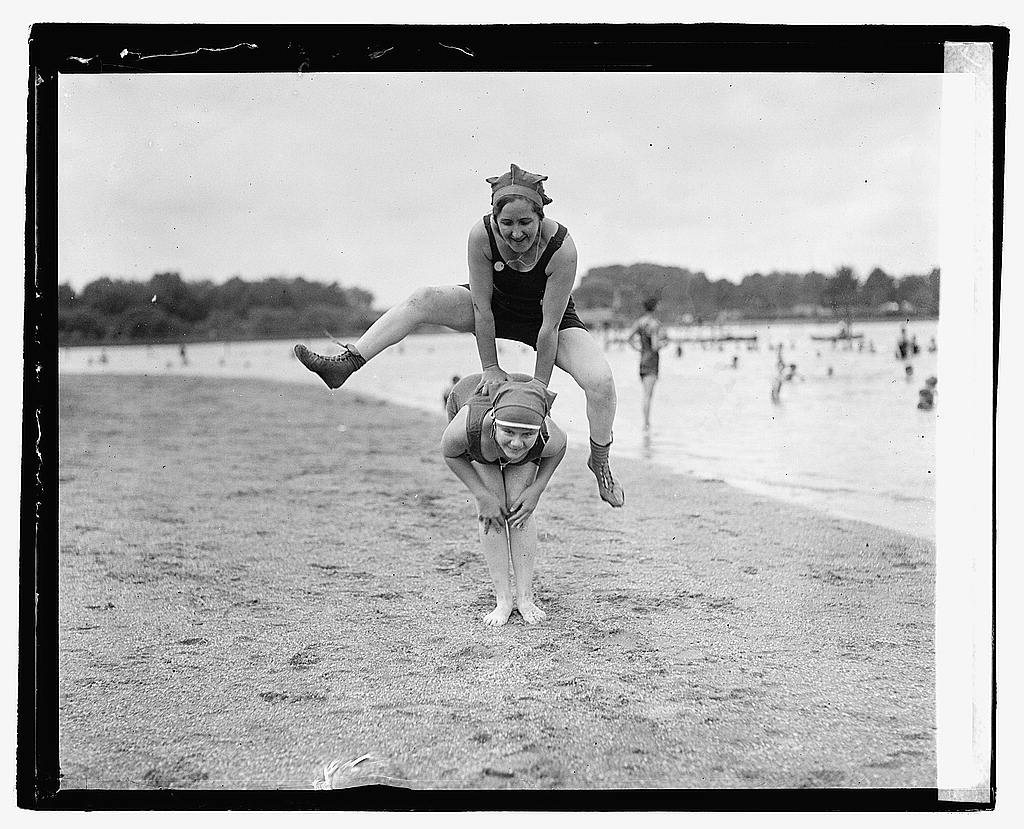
(258, 578)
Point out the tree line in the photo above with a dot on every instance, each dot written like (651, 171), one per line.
(167, 308)
(619, 291)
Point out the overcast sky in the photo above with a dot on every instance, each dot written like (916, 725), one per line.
(374, 180)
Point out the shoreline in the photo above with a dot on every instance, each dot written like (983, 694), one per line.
(440, 329)
(259, 593)
(635, 453)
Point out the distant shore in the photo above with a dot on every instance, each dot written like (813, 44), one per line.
(440, 329)
(257, 578)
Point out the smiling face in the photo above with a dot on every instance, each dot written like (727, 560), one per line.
(518, 224)
(515, 442)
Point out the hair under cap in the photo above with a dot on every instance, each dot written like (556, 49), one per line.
(522, 404)
(519, 182)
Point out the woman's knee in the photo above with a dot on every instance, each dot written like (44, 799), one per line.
(427, 298)
(448, 305)
(599, 383)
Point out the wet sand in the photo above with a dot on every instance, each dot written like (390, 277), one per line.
(248, 592)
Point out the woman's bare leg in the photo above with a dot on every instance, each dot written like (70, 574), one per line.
(449, 305)
(495, 550)
(580, 356)
(648, 382)
(523, 543)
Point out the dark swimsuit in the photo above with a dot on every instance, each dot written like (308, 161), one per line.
(648, 354)
(517, 296)
(479, 405)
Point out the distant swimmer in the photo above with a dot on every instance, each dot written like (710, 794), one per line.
(735, 361)
(909, 371)
(928, 396)
(647, 336)
(932, 346)
(902, 344)
(504, 447)
(777, 383)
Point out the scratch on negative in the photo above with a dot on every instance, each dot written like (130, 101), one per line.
(39, 454)
(458, 49)
(381, 53)
(82, 60)
(125, 52)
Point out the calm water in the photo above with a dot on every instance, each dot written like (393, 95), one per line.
(852, 444)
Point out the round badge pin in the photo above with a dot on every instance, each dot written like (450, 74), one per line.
(499, 266)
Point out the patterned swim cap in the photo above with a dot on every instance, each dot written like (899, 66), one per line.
(518, 182)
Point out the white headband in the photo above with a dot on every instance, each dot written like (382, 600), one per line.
(511, 425)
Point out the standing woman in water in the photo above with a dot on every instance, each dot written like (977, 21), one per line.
(522, 266)
(648, 338)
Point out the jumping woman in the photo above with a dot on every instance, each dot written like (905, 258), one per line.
(522, 266)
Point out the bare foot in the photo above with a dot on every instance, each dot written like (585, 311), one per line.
(498, 616)
(530, 612)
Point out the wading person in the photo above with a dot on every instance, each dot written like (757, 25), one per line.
(504, 448)
(648, 338)
(522, 266)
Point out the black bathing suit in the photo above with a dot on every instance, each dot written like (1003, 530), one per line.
(517, 296)
(649, 357)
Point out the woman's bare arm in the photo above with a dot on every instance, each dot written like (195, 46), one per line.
(556, 297)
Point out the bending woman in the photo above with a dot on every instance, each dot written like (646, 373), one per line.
(504, 448)
(522, 266)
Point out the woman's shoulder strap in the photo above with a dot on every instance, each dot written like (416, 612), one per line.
(476, 408)
(554, 243)
(495, 256)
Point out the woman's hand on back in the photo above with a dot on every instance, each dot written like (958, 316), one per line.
(490, 380)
